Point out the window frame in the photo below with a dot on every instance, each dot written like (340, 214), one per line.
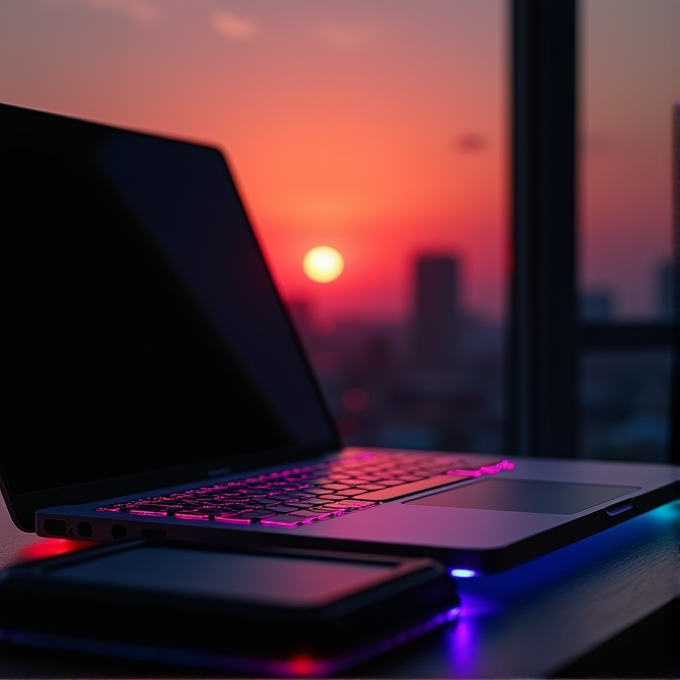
(546, 335)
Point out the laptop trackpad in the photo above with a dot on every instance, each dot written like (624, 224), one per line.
(520, 495)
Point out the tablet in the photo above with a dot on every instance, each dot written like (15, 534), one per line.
(279, 612)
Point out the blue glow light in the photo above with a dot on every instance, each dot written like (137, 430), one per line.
(463, 573)
(507, 586)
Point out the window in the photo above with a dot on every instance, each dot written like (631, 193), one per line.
(629, 54)
(581, 137)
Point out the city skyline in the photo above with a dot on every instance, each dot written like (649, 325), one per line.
(409, 383)
(596, 304)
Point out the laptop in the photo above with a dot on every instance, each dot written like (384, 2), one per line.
(154, 385)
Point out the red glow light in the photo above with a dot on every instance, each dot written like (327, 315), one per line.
(49, 547)
(303, 665)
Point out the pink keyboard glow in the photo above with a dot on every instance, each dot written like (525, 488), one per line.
(485, 469)
(298, 496)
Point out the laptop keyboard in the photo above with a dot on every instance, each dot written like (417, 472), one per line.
(301, 495)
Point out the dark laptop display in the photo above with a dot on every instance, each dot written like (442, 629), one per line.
(125, 355)
(153, 383)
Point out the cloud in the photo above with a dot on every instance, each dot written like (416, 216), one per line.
(345, 36)
(233, 26)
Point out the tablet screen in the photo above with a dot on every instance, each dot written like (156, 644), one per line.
(274, 580)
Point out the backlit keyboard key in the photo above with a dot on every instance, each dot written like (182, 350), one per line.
(232, 519)
(189, 514)
(281, 521)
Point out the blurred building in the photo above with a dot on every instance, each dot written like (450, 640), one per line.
(436, 318)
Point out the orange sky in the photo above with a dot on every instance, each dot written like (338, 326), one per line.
(378, 127)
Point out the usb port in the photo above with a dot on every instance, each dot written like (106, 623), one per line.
(58, 527)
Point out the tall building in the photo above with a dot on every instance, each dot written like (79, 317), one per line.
(437, 313)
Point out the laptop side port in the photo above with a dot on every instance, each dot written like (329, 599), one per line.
(118, 531)
(56, 527)
(84, 529)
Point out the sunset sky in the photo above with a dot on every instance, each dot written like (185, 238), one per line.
(377, 127)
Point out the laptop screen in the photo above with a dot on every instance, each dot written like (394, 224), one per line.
(141, 327)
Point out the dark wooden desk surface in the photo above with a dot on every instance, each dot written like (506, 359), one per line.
(534, 621)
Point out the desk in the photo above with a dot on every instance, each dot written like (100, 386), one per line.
(542, 619)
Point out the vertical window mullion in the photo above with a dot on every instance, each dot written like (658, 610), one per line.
(542, 405)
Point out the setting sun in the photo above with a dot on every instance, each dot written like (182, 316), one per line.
(323, 264)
